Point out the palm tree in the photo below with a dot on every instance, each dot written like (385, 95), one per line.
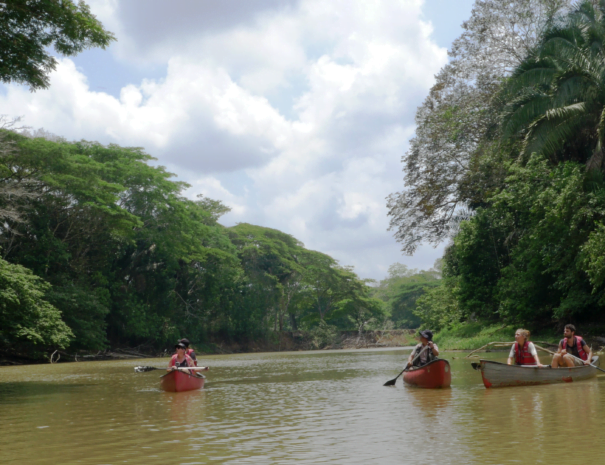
(556, 97)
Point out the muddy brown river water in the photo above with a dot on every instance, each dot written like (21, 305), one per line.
(297, 407)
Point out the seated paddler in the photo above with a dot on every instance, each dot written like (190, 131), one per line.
(425, 352)
(189, 351)
(573, 350)
(523, 352)
(181, 359)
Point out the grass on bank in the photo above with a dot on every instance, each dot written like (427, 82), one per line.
(470, 336)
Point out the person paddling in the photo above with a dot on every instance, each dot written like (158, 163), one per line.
(573, 350)
(428, 355)
(523, 352)
(189, 351)
(180, 359)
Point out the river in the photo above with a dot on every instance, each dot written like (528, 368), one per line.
(296, 407)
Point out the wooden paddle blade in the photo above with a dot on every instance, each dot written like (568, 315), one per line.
(391, 382)
(476, 366)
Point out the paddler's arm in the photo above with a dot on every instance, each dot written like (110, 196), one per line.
(589, 360)
(434, 348)
(561, 353)
(410, 358)
(535, 355)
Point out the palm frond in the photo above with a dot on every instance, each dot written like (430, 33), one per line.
(565, 112)
(524, 115)
(531, 78)
(547, 136)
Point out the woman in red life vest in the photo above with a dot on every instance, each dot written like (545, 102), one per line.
(523, 352)
(573, 350)
(180, 359)
(189, 352)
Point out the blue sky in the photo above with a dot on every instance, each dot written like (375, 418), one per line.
(293, 112)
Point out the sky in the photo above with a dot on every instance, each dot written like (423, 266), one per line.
(294, 113)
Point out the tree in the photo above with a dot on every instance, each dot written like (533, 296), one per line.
(14, 188)
(25, 316)
(401, 290)
(29, 27)
(449, 165)
(557, 98)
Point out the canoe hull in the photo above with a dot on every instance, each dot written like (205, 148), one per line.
(434, 375)
(177, 381)
(497, 374)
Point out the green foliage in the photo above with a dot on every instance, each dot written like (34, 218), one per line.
(323, 335)
(469, 336)
(556, 99)
(84, 311)
(26, 317)
(472, 335)
(28, 28)
(129, 260)
(438, 307)
(401, 290)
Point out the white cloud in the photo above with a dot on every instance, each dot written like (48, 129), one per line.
(317, 165)
(212, 187)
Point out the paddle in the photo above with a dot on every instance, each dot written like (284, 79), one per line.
(392, 382)
(143, 369)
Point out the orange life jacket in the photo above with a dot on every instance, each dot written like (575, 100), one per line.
(581, 352)
(189, 351)
(522, 355)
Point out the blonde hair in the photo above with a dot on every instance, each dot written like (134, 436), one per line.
(524, 332)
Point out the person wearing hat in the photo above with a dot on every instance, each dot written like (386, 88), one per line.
(426, 356)
(189, 351)
(180, 359)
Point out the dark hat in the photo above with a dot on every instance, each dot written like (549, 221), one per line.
(185, 341)
(181, 345)
(427, 334)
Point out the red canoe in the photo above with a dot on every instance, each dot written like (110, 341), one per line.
(436, 374)
(178, 381)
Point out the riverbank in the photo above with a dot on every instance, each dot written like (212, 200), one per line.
(281, 342)
(471, 336)
(463, 337)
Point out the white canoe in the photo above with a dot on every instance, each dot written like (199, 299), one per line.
(496, 374)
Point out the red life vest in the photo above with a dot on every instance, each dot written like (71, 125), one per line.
(189, 351)
(187, 359)
(579, 345)
(523, 356)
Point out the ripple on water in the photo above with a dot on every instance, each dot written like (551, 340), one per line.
(288, 408)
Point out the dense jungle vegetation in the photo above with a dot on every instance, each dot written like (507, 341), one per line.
(99, 247)
(508, 166)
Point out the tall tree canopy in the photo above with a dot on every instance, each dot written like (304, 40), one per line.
(556, 96)
(109, 251)
(29, 27)
(451, 163)
(530, 248)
